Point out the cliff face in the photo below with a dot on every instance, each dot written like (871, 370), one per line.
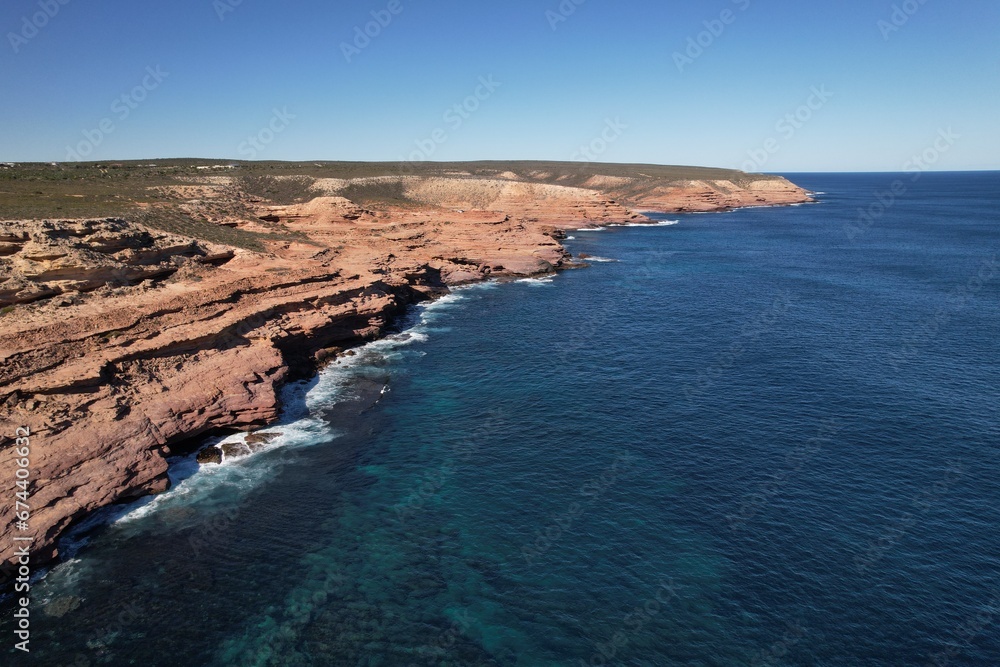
(127, 342)
(715, 195)
(573, 197)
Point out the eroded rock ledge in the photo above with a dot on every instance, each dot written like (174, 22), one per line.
(120, 343)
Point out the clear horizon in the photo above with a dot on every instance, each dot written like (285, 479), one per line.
(863, 86)
(431, 162)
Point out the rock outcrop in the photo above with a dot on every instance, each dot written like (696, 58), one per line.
(45, 259)
(713, 195)
(120, 344)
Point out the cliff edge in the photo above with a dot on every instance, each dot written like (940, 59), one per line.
(198, 289)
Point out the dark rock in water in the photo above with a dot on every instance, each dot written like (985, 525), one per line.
(210, 455)
(254, 442)
(583, 255)
(327, 354)
(235, 449)
(260, 439)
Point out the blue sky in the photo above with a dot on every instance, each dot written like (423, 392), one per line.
(271, 80)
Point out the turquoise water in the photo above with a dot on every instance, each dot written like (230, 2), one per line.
(765, 437)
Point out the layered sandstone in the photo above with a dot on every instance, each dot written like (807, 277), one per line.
(120, 344)
(713, 195)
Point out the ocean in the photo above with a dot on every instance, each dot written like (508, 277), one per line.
(762, 437)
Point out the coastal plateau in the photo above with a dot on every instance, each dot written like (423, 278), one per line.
(148, 305)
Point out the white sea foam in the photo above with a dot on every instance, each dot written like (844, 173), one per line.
(592, 229)
(192, 483)
(221, 485)
(570, 238)
(600, 259)
(218, 488)
(536, 282)
(657, 223)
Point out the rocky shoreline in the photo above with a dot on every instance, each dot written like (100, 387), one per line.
(123, 345)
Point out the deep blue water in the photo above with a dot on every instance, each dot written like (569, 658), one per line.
(765, 437)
